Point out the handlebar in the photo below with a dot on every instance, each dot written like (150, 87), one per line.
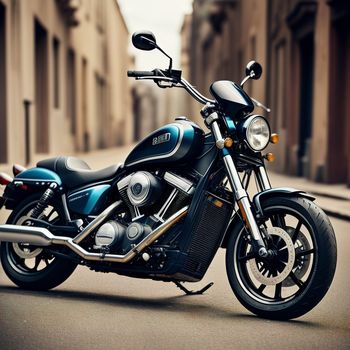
(140, 73)
(172, 79)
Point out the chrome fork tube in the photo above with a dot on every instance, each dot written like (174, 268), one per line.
(262, 178)
(240, 193)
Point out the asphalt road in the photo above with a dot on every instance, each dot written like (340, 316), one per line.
(95, 311)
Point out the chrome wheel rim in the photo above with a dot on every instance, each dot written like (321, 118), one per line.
(301, 273)
(27, 259)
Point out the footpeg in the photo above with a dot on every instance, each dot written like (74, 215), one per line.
(193, 292)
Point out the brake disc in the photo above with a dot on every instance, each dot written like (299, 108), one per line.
(302, 264)
(260, 268)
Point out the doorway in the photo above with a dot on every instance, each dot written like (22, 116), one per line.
(306, 55)
(3, 90)
(339, 106)
(71, 96)
(85, 129)
(41, 89)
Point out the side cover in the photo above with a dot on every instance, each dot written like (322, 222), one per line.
(88, 201)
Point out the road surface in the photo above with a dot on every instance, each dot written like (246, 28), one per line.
(106, 311)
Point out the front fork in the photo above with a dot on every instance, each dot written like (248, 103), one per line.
(240, 193)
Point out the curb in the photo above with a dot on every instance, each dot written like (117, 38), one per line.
(337, 215)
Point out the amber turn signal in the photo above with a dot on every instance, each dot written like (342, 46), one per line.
(228, 142)
(274, 138)
(270, 157)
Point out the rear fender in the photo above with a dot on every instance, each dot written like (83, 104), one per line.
(28, 182)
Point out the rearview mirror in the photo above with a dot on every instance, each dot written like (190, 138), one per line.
(253, 70)
(144, 40)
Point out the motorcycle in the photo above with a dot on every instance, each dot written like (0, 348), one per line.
(180, 195)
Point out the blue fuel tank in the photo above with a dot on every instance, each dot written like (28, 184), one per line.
(175, 144)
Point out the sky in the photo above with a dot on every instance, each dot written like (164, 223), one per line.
(164, 18)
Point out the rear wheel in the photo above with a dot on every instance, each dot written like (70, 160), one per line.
(297, 277)
(33, 267)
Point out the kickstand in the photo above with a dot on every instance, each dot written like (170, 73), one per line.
(191, 292)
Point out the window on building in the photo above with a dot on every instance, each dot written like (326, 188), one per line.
(101, 111)
(100, 11)
(41, 89)
(70, 81)
(56, 72)
(84, 89)
(3, 119)
(280, 86)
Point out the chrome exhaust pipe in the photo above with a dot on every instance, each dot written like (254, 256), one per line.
(42, 237)
(38, 236)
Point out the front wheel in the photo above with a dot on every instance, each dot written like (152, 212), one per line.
(298, 275)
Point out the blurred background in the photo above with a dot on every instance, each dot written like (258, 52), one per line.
(64, 89)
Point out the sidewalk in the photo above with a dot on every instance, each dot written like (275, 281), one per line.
(333, 199)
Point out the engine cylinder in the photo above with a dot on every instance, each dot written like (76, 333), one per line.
(144, 189)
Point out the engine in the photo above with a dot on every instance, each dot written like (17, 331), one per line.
(151, 199)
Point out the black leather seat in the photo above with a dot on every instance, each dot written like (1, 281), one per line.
(75, 172)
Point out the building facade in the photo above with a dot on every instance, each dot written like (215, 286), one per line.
(304, 48)
(63, 78)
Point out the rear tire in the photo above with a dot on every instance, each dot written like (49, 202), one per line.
(20, 270)
(312, 264)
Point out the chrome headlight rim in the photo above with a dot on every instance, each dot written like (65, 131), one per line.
(247, 125)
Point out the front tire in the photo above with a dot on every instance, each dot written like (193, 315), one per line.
(32, 267)
(296, 279)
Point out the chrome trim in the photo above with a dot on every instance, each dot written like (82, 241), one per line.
(195, 93)
(65, 207)
(124, 182)
(179, 182)
(246, 125)
(234, 178)
(38, 236)
(259, 104)
(263, 178)
(166, 205)
(181, 128)
(96, 222)
(219, 140)
(240, 193)
(138, 215)
(43, 237)
(242, 197)
(141, 177)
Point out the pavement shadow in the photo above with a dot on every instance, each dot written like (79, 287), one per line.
(176, 304)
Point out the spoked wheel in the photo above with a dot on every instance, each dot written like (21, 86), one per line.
(33, 267)
(298, 274)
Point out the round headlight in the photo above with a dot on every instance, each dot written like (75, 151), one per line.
(257, 133)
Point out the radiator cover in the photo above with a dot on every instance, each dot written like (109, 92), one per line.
(206, 234)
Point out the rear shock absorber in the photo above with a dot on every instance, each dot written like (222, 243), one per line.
(43, 201)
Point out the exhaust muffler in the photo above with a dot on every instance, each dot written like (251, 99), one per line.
(38, 236)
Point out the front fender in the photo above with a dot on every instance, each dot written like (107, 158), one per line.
(259, 198)
(237, 224)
